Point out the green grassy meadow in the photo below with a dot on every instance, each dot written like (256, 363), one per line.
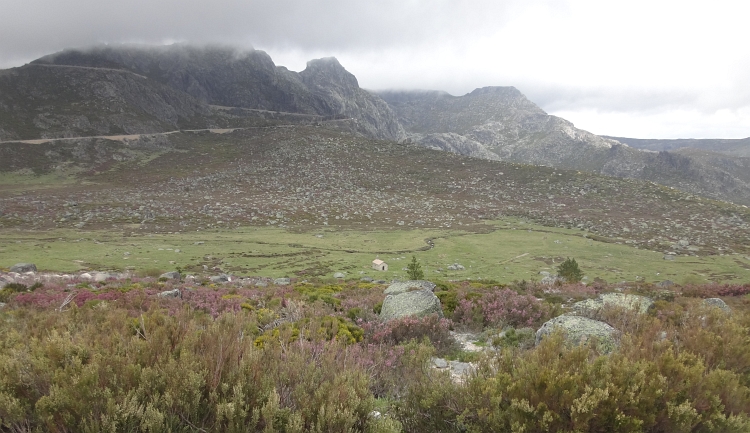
(509, 250)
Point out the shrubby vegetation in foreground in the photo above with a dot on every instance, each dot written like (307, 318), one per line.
(314, 357)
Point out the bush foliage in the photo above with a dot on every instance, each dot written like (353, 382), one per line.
(316, 358)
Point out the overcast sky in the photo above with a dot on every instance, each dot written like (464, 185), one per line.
(643, 69)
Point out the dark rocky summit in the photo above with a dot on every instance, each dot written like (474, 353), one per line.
(202, 81)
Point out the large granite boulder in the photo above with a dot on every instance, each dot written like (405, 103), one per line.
(406, 286)
(418, 303)
(23, 267)
(637, 303)
(579, 330)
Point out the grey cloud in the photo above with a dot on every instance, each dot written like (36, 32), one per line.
(44, 26)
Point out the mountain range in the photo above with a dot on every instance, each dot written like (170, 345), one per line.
(125, 90)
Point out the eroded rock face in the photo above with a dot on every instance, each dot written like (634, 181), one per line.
(579, 330)
(637, 303)
(410, 303)
(405, 286)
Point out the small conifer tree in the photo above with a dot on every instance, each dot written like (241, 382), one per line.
(414, 270)
(570, 271)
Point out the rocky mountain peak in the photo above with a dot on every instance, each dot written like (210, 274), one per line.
(328, 72)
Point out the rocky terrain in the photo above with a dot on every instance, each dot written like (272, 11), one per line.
(500, 123)
(740, 147)
(301, 176)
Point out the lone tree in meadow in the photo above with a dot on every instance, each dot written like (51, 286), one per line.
(414, 269)
(570, 271)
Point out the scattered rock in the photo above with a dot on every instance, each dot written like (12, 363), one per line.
(683, 243)
(456, 267)
(631, 302)
(170, 294)
(439, 363)
(665, 284)
(717, 303)
(406, 286)
(173, 275)
(579, 330)
(668, 257)
(282, 281)
(460, 368)
(2, 305)
(223, 278)
(413, 303)
(339, 275)
(22, 268)
(366, 279)
(101, 277)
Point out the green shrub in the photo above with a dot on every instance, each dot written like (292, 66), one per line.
(414, 269)
(569, 271)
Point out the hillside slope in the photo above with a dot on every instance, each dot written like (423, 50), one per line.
(500, 123)
(306, 177)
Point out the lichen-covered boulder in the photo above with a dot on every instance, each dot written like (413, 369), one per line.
(406, 286)
(173, 275)
(175, 293)
(579, 330)
(717, 303)
(21, 268)
(413, 303)
(637, 303)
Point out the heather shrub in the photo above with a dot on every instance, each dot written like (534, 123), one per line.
(84, 370)
(713, 290)
(561, 388)
(500, 308)
(405, 329)
(326, 294)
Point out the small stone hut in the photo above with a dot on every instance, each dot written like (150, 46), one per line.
(379, 265)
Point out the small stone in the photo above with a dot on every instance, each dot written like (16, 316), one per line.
(282, 281)
(339, 275)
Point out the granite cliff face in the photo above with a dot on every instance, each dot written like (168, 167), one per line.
(341, 96)
(500, 123)
(38, 101)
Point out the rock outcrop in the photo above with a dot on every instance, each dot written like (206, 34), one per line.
(637, 303)
(579, 330)
(23, 267)
(411, 299)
